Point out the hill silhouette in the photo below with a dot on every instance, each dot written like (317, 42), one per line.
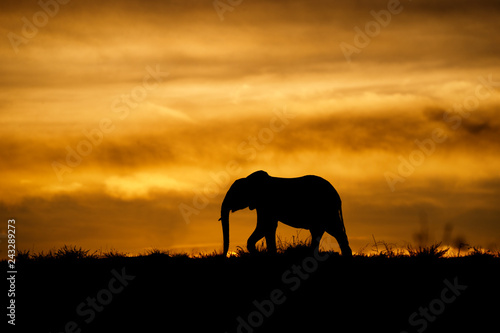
(296, 290)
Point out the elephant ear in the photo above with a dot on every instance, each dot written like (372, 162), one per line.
(257, 182)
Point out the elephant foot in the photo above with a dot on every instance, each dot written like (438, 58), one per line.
(271, 252)
(252, 249)
(346, 252)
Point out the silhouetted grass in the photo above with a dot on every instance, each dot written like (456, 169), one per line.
(432, 251)
(294, 247)
(68, 252)
(113, 253)
(23, 255)
(154, 252)
(387, 250)
(285, 247)
(65, 253)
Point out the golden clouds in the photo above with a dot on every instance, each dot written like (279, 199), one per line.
(141, 185)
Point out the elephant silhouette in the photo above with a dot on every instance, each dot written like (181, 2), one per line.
(308, 202)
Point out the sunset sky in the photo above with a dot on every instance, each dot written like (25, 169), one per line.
(123, 123)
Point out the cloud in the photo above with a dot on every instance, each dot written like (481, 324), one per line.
(59, 188)
(164, 111)
(142, 185)
(93, 220)
(293, 38)
(155, 142)
(353, 120)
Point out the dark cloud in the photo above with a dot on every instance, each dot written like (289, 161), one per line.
(93, 220)
(479, 127)
(292, 37)
(216, 141)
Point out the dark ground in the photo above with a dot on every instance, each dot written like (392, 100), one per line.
(160, 293)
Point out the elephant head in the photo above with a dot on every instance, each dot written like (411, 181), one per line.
(242, 194)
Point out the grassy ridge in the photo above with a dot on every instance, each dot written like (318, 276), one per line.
(382, 249)
(295, 290)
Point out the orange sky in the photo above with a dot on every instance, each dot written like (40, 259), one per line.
(164, 102)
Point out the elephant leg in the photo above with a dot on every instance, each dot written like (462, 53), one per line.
(341, 238)
(270, 235)
(316, 235)
(256, 236)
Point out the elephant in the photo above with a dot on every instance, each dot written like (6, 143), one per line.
(308, 202)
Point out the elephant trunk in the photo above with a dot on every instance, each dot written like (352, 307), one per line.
(225, 227)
